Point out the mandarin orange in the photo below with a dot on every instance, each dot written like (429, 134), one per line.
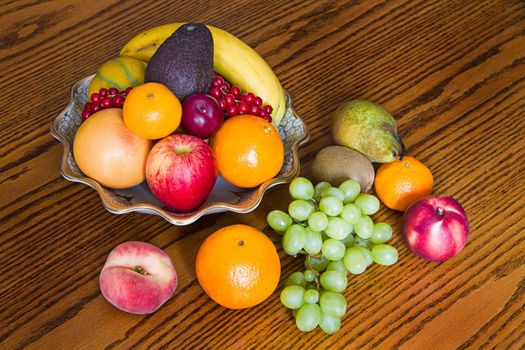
(152, 111)
(401, 182)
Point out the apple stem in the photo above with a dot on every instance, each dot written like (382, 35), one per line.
(439, 211)
(140, 270)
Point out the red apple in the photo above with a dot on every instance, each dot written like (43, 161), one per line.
(181, 172)
(436, 228)
(138, 278)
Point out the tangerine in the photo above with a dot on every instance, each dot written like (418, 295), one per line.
(238, 266)
(152, 111)
(105, 150)
(402, 182)
(248, 150)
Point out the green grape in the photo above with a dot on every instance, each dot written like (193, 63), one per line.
(349, 240)
(333, 192)
(292, 297)
(368, 204)
(329, 324)
(364, 227)
(320, 188)
(336, 266)
(331, 206)
(318, 264)
(382, 233)
(301, 188)
(366, 253)
(295, 279)
(309, 275)
(294, 239)
(279, 220)
(300, 209)
(338, 228)
(308, 317)
(355, 261)
(350, 190)
(332, 304)
(311, 296)
(318, 221)
(313, 241)
(351, 213)
(334, 281)
(333, 249)
(362, 242)
(384, 254)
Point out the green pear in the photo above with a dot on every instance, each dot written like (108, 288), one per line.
(367, 128)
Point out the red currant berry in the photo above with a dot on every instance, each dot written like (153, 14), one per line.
(95, 98)
(216, 92)
(96, 108)
(263, 113)
(107, 102)
(217, 81)
(229, 100)
(88, 106)
(117, 101)
(248, 98)
(225, 87)
(243, 107)
(113, 91)
(103, 92)
(235, 91)
(128, 89)
(268, 119)
(232, 111)
(85, 115)
(257, 101)
(268, 109)
(221, 103)
(254, 109)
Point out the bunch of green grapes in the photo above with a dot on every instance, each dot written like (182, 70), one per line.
(333, 228)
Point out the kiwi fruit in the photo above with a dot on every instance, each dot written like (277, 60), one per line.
(335, 164)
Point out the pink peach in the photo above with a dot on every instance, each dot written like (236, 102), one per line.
(138, 277)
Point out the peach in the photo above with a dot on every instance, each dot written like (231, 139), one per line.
(138, 277)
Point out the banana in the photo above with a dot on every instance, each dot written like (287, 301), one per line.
(232, 58)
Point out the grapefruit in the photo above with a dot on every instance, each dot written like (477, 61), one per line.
(107, 151)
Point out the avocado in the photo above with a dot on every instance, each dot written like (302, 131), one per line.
(184, 62)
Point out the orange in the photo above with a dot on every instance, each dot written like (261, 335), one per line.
(105, 150)
(402, 182)
(152, 111)
(238, 266)
(248, 151)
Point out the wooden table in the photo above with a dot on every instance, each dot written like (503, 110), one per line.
(452, 73)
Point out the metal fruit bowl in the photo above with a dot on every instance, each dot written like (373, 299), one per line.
(224, 197)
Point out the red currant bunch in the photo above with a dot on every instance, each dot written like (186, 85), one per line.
(233, 102)
(103, 99)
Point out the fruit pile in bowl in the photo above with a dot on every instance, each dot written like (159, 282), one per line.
(187, 121)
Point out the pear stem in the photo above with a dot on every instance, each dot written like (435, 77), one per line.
(403, 148)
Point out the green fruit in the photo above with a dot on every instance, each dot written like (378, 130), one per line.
(184, 62)
(336, 164)
(368, 128)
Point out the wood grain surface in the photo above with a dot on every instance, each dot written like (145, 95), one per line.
(451, 72)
